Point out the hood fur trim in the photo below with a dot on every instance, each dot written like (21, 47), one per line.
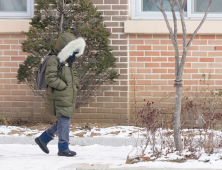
(77, 44)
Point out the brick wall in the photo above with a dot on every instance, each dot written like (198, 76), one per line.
(16, 99)
(145, 64)
(111, 105)
(152, 63)
(108, 107)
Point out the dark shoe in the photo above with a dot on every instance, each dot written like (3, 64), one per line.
(66, 152)
(42, 145)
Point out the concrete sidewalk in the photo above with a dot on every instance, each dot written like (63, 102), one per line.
(84, 141)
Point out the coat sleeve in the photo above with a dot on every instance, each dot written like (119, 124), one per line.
(76, 79)
(51, 75)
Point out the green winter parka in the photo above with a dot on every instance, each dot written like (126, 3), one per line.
(62, 87)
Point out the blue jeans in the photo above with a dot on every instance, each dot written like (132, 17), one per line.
(61, 127)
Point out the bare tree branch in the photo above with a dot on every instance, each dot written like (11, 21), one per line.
(174, 38)
(201, 23)
(182, 18)
(155, 4)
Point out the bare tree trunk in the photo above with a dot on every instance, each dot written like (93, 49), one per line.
(176, 118)
(179, 67)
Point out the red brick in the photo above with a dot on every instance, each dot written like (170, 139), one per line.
(11, 98)
(159, 70)
(136, 64)
(4, 36)
(119, 18)
(143, 59)
(199, 65)
(144, 36)
(143, 82)
(143, 47)
(191, 59)
(167, 64)
(136, 53)
(19, 104)
(5, 81)
(190, 70)
(152, 65)
(152, 76)
(10, 52)
(4, 69)
(133, 58)
(10, 64)
(17, 58)
(103, 7)
(123, 1)
(206, 59)
(218, 36)
(10, 41)
(207, 36)
(5, 92)
(152, 42)
(202, 54)
(123, 12)
(144, 70)
(157, 59)
(151, 88)
(117, 30)
(9, 86)
(167, 88)
(171, 70)
(17, 36)
(159, 82)
(166, 42)
(10, 75)
(16, 47)
(119, 7)
(111, 2)
(111, 13)
(160, 37)
(152, 53)
(17, 92)
(132, 36)
(207, 48)
(215, 54)
(132, 48)
(159, 47)
(214, 42)
(169, 76)
(136, 42)
(4, 47)
(165, 53)
(216, 65)
(199, 42)
(190, 82)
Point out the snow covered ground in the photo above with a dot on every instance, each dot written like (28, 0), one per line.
(30, 157)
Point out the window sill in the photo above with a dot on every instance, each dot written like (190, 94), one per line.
(14, 25)
(159, 27)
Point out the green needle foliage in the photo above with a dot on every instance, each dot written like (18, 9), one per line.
(53, 17)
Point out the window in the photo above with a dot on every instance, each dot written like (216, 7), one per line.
(144, 9)
(16, 8)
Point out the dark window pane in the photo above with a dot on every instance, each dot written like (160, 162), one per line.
(148, 6)
(201, 6)
(13, 5)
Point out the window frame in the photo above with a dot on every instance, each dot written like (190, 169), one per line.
(136, 12)
(28, 14)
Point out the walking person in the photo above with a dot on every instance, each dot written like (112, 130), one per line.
(62, 86)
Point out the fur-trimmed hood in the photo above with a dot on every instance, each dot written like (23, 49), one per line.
(67, 43)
